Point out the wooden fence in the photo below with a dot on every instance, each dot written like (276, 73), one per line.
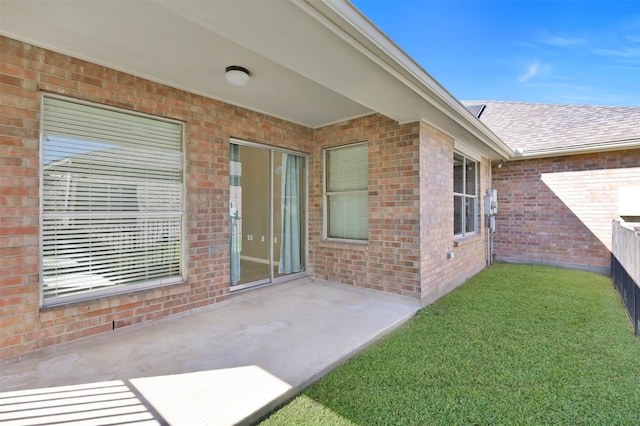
(625, 268)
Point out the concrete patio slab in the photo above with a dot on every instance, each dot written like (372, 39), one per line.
(229, 363)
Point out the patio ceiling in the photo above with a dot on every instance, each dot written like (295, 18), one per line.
(312, 62)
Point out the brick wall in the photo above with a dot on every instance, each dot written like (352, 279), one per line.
(440, 274)
(410, 212)
(390, 260)
(558, 211)
(410, 199)
(25, 71)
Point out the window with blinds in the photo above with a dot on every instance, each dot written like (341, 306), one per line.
(112, 201)
(346, 192)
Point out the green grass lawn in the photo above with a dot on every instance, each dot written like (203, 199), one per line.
(514, 345)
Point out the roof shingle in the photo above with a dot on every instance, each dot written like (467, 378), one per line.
(530, 127)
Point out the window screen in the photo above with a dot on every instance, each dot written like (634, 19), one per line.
(465, 188)
(346, 192)
(112, 201)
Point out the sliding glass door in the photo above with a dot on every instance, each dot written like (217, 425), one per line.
(267, 215)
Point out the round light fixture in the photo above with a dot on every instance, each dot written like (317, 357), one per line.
(238, 76)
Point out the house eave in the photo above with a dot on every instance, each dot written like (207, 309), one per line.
(523, 154)
(313, 62)
(344, 19)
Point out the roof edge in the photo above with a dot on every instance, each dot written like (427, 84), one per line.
(522, 154)
(402, 67)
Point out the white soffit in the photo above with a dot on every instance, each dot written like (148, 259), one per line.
(147, 39)
(312, 62)
(306, 46)
(466, 150)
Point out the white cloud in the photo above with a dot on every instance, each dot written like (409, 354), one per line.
(622, 43)
(624, 52)
(532, 71)
(561, 41)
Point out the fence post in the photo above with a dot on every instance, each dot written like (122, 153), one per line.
(625, 269)
(636, 278)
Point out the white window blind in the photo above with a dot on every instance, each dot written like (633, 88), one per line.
(112, 201)
(346, 192)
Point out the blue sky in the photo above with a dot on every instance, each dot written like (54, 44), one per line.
(549, 51)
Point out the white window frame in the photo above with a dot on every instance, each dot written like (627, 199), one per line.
(464, 196)
(327, 195)
(106, 213)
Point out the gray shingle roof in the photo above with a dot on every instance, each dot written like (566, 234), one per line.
(535, 127)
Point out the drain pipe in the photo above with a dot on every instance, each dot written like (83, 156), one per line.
(489, 210)
(488, 246)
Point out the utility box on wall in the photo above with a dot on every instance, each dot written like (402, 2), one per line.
(491, 220)
(491, 202)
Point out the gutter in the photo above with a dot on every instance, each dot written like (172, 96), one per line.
(524, 154)
(355, 26)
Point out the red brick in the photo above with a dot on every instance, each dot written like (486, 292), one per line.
(17, 71)
(560, 209)
(406, 210)
(7, 342)
(7, 322)
(6, 301)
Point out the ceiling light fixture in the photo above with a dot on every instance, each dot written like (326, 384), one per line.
(238, 76)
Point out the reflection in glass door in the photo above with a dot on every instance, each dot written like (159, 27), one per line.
(267, 215)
